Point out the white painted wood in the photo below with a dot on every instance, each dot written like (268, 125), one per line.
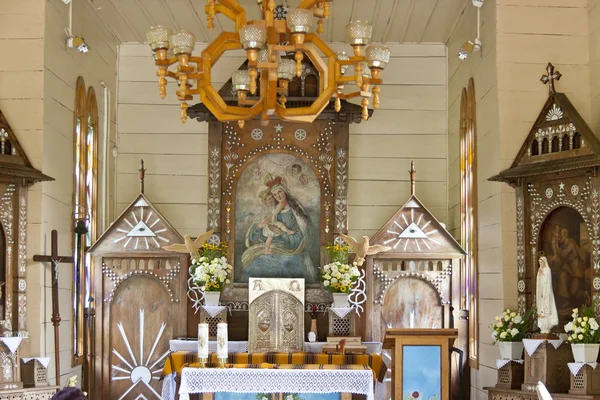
(430, 20)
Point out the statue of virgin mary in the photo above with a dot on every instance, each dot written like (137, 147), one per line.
(544, 297)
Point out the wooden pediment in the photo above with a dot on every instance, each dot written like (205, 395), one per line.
(13, 160)
(414, 231)
(559, 140)
(141, 230)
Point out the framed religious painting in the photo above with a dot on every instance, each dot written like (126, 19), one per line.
(277, 195)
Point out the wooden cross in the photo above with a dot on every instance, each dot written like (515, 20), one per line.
(550, 77)
(413, 174)
(142, 176)
(55, 259)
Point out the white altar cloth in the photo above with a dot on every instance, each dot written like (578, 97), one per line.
(248, 380)
(242, 346)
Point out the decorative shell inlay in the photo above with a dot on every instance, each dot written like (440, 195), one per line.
(597, 283)
(574, 190)
(549, 193)
(300, 134)
(256, 134)
(554, 114)
(521, 285)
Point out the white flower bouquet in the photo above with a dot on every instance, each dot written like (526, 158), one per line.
(210, 270)
(511, 326)
(338, 277)
(584, 327)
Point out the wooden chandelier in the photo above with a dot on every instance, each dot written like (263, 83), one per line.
(275, 48)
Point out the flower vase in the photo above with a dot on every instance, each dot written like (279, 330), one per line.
(211, 298)
(511, 350)
(340, 300)
(585, 352)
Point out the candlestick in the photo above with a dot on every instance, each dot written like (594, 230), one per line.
(221, 344)
(202, 344)
(412, 320)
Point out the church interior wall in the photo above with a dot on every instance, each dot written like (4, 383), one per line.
(410, 125)
(593, 8)
(38, 79)
(519, 38)
(482, 68)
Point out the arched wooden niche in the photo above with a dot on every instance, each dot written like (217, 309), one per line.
(565, 239)
(411, 295)
(558, 208)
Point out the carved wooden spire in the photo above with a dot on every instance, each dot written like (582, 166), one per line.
(142, 176)
(550, 77)
(413, 174)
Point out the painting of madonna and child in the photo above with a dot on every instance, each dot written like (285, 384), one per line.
(565, 240)
(277, 220)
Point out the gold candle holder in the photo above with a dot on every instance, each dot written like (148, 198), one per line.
(221, 362)
(202, 361)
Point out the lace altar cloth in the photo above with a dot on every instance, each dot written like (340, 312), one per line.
(213, 311)
(249, 380)
(502, 363)
(342, 312)
(242, 347)
(576, 367)
(11, 342)
(44, 361)
(531, 345)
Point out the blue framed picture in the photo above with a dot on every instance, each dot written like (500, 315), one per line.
(421, 372)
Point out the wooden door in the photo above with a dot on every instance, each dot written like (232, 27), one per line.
(140, 329)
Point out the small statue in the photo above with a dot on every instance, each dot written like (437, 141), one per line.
(189, 246)
(544, 297)
(363, 248)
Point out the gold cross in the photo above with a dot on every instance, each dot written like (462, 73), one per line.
(551, 77)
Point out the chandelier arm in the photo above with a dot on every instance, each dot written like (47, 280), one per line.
(223, 112)
(232, 10)
(311, 111)
(308, 4)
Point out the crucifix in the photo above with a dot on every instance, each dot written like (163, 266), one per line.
(55, 259)
(550, 77)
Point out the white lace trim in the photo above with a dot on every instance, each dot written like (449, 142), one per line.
(531, 345)
(11, 342)
(42, 360)
(213, 311)
(168, 388)
(502, 363)
(341, 312)
(576, 367)
(246, 380)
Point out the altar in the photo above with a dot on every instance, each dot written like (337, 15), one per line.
(342, 366)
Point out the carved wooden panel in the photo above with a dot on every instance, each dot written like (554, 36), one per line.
(140, 329)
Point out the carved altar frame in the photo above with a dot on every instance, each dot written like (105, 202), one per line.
(16, 176)
(557, 166)
(328, 158)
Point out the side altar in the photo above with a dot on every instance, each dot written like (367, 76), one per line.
(557, 185)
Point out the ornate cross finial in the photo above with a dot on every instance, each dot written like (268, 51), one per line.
(413, 174)
(551, 77)
(142, 175)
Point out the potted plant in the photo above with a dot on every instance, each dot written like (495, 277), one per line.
(584, 335)
(339, 276)
(211, 272)
(509, 329)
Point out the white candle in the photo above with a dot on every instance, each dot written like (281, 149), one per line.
(221, 340)
(202, 340)
(412, 320)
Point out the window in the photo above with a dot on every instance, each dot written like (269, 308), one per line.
(468, 202)
(85, 127)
